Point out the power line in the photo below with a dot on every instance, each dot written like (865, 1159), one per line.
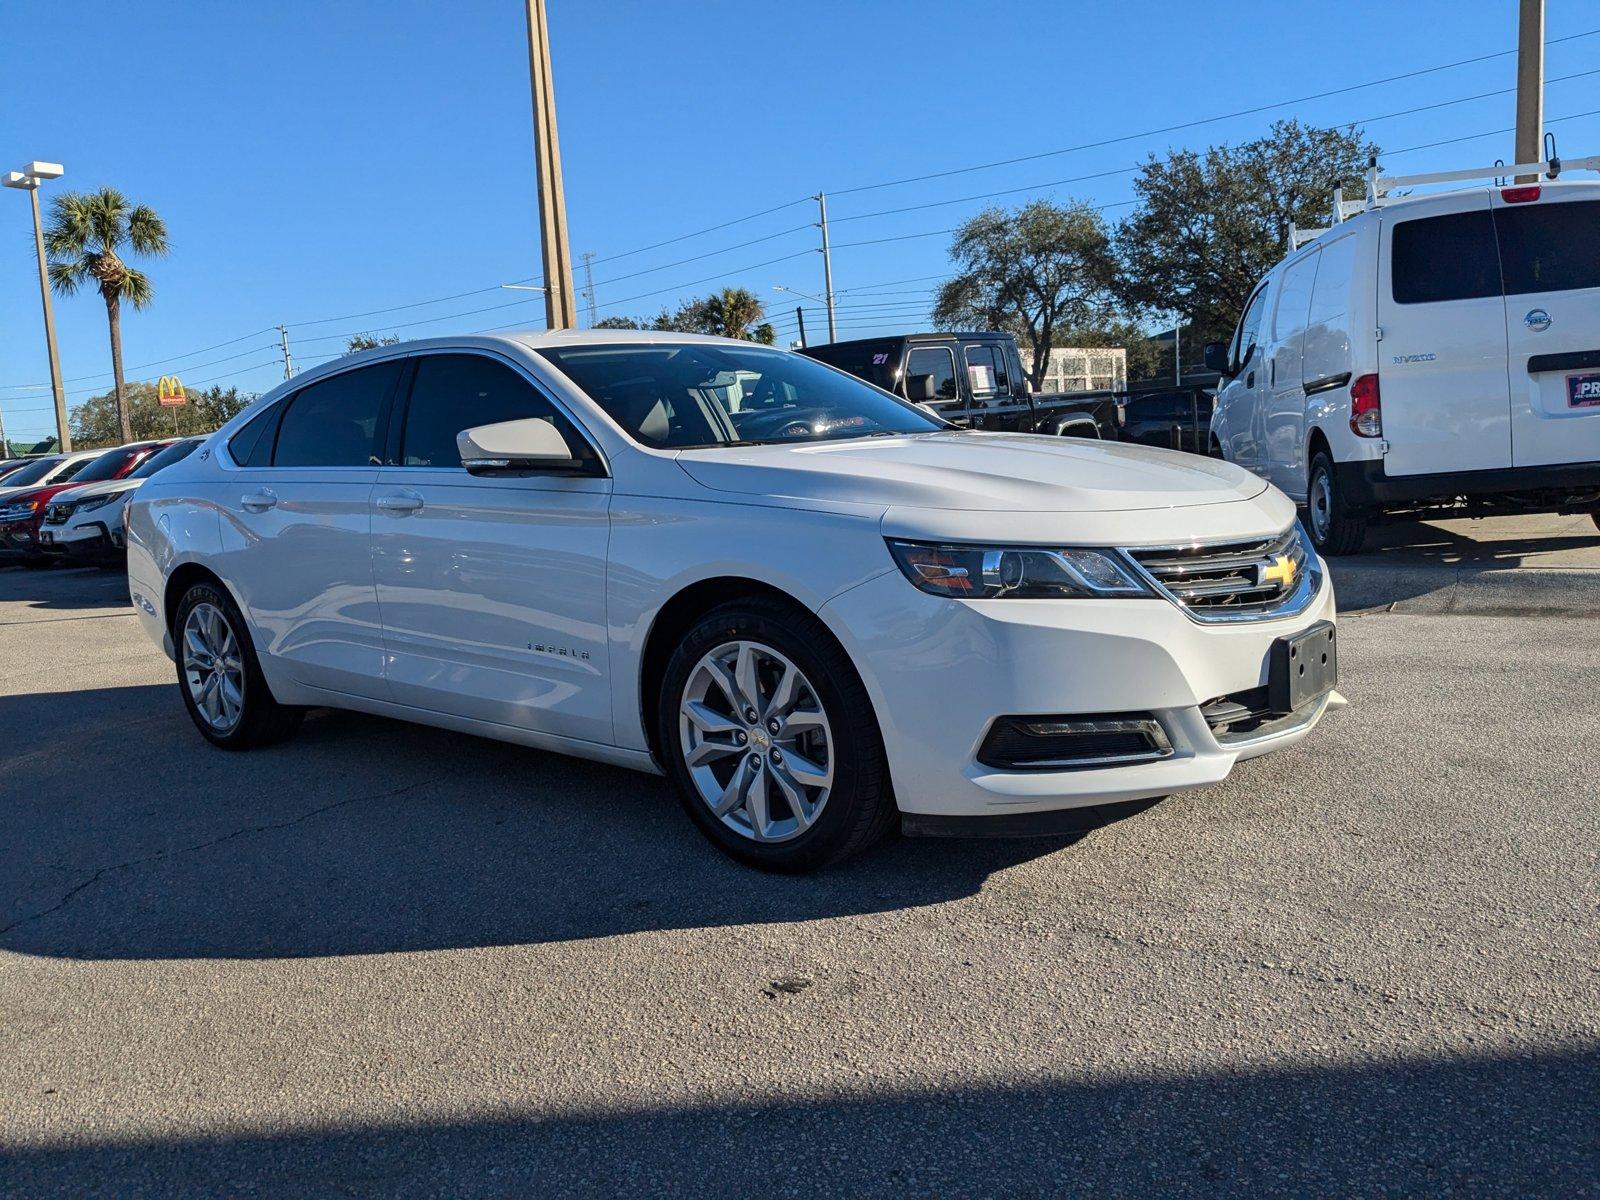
(1243, 112)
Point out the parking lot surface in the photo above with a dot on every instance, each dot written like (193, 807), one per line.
(381, 959)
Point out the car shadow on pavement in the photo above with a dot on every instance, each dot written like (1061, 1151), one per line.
(1459, 1126)
(135, 839)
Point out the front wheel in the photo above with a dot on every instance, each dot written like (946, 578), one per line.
(769, 734)
(1334, 527)
(220, 678)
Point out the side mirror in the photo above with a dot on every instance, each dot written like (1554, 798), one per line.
(921, 388)
(515, 447)
(1217, 357)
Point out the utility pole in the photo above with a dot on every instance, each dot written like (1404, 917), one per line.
(588, 283)
(29, 179)
(800, 315)
(827, 266)
(560, 311)
(288, 363)
(1530, 85)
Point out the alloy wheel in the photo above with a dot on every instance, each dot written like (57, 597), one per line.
(213, 667)
(756, 741)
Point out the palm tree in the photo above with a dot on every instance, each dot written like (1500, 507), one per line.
(732, 312)
(82, 240)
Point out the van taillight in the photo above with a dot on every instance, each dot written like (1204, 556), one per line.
(1520, 195)
(1366, 411)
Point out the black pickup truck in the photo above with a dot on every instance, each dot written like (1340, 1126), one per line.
(971, 379)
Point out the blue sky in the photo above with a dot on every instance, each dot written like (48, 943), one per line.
(318, 160)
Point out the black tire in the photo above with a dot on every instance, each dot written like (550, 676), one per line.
(859, 808)
(1335, 527)
(260, 720)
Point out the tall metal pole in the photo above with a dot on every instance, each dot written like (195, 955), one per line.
(800, 315)
(1177, 353)
(63, 431)
(288, 363)
(588, 284)
(827, 267)
(560, 310)
(1530, 85)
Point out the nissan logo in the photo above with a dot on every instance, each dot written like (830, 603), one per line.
(1537, 320)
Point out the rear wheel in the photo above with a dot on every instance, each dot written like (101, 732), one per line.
(220, 678)
(1334, 527)
(771, 738)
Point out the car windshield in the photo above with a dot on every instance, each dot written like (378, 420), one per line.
(31, 473)
(97, 470)
(685, 395)
(165, 458)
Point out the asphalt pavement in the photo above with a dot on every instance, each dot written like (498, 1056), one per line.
(386, 960)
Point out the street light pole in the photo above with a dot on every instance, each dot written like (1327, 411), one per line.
(1530, 85)
(560, 309)
(29, 179)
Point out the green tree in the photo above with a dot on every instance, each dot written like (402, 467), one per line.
(85, 239)
(1210, 223)
(732, 313)
(96, 422)
(365, 341)
(617, 323)
(1033, 272)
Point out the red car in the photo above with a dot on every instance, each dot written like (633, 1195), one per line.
(22, 512)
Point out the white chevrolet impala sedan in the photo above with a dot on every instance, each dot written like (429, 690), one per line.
(817, 608)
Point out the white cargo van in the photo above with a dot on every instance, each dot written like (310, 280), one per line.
(1426, 353)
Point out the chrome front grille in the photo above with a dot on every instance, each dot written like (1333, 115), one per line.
(1234, 581)
(57, 514)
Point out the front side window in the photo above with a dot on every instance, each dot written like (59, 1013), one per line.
(333, 423)
(32, 473)
(1549, 247)
(454, 392)
(939, 362)
(986, 370)
(1244, 341)
(696, 395)
(1434, 259)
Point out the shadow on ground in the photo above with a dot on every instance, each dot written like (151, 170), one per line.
(1490, 1127)
(134, 839)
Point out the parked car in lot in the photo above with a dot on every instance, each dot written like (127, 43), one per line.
(1432, 352)
(39, 472)
(573, 541)
(84, 523)
(1177, 418)
(22, 511)
(974, 380)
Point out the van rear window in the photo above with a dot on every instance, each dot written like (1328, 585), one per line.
(1550, 247)
(1444, 258)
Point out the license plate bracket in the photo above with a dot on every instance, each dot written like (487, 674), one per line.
(1302, 667)
(1583, 391)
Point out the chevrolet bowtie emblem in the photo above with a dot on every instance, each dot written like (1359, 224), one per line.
(1280, 570)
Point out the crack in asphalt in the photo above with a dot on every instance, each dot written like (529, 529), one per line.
(101, 872)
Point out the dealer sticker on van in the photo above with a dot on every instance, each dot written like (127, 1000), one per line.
(1583, 391)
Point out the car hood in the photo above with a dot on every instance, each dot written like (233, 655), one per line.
(974, 471)
(106, 487)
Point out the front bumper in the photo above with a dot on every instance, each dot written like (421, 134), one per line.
(90, 541)
(940, 672)
(19, 539)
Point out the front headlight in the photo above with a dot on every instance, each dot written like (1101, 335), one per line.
(84, 506)
(15, 512)
(1015, 572)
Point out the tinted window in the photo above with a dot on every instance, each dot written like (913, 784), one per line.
(1550, 247)
(1444, 258)
(938, 362)
(453, 392)
(252, 445)
(711, 394)
(873, 362)
(109, 465)
(165, 458)
(986, 369)
(32, 473)
(334, 423)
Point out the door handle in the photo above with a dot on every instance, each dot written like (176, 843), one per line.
(400, 503)
(258, 501)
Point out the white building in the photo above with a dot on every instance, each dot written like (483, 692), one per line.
(1074, 369)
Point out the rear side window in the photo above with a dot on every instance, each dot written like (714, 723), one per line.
(986, 369)
(1452, 257)
(334, 423)
(1550, 247)
(252, 445)
(453, 392)
(938, 362)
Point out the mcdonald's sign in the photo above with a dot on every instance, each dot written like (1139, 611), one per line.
(170, 393)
